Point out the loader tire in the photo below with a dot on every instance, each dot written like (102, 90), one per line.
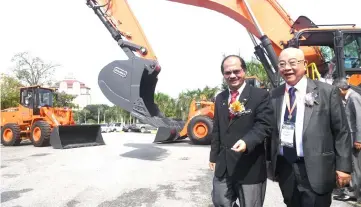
(10, 135)
(40, 134)
(200, 130)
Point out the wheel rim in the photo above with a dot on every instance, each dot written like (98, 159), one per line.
(8, 135)
(36, 134)
(200, 130)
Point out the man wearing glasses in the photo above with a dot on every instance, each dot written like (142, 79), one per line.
(242, 121)
(310, 146)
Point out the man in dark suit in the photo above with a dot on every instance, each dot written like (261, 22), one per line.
(310, 148)
(237, 153)
(352, 102)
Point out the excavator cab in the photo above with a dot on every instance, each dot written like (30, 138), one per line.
(340, 47)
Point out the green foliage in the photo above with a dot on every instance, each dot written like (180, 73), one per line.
(103, 112)
(224, 85)
(10, 93)
(64, 100)
(255, 68)
(166, 104)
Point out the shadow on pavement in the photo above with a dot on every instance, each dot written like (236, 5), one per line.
(11, 195)
(145, 152)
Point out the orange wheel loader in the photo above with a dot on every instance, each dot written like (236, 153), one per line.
(36, 119)
(197, 128)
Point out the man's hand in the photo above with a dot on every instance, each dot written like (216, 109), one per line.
(240, 146)
(342, 179)
(212, 165)
(357, 145)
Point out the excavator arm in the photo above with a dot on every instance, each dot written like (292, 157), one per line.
(130, 83)
(266, 20)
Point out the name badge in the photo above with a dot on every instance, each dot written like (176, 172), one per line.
(287, 134)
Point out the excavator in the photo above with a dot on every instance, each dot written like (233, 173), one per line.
(130, 84)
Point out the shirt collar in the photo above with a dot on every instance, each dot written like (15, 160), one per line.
(300, 86)
(348, 94)
(240, 88)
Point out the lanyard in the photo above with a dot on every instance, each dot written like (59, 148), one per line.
(290, 110)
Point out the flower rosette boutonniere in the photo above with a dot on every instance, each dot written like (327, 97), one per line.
(310, 99)
(237, 109)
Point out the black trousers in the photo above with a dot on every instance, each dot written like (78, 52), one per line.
(295, 187)
(226, 191)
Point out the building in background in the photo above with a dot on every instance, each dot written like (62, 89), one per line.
(74, 87)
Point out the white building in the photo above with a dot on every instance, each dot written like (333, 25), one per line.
(74, 87)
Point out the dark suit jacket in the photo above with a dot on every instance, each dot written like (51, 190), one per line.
(353, 111)
(248, 167)
(326, 138)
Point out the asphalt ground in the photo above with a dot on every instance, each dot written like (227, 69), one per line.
(128, 171)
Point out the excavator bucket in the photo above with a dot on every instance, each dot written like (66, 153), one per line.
(130, 84)
(73, 136)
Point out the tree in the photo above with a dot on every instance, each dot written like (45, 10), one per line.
(64, 100)
(166, 104)
(32, 70)
(224, 85)
(10, 91)
(255, 68)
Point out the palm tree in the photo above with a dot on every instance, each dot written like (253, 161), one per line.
(166, 104)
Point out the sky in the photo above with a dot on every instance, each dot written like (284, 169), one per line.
(68, 33)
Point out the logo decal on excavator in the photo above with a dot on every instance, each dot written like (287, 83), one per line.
(120, 72)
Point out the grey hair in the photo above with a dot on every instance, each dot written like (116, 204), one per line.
(341, 83)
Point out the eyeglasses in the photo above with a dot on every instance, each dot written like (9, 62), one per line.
(236, 72)
(292, 63)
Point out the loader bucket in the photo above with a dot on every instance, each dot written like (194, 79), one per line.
(73, 136)
(130, 84)
(166, 134)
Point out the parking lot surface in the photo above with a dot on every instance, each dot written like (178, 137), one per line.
(128, 171)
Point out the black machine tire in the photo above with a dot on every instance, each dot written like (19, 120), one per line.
(15, 129)
(142, 130)
(44, 138)
(205, 121)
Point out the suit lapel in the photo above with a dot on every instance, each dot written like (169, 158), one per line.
(279, 102)
(243, 98)
(278, 95)
(224, 107)
(311, 87)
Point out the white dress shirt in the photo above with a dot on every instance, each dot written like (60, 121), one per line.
(240, 90)
(300, 93)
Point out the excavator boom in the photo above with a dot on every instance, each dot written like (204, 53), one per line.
(131, 83)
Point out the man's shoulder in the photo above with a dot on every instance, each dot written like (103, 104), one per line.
(323, 86)
(277, 91)
(222, 94)
(355, 95)
(258, 91)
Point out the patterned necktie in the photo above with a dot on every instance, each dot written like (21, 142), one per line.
(291, 153)
(234, 95)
